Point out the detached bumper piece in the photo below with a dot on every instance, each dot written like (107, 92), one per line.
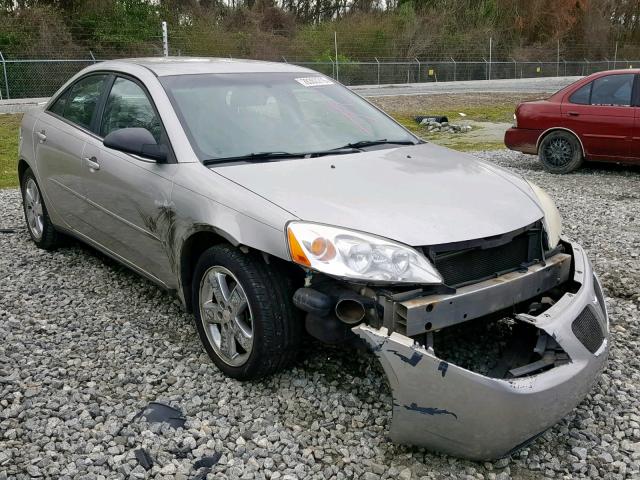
(445, 407)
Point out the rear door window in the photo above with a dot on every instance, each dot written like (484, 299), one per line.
(613, 90)
(79, 103)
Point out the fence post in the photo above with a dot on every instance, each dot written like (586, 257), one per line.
(490, 52)
(565, 66)
(615, 57)
(165, 40)
(333, 67)
(455, 67)
(92, 57)
(6, 80)
(558, 60)
(515, 68)
(486, 69)
(418, 69)
(335, 44)
(378, 62)
(587, 62)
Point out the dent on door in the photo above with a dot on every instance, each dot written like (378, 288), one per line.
(130, 208)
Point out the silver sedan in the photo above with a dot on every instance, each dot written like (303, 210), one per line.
(272, 201)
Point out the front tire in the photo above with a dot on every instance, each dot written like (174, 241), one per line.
(42, 231)
(244, 313)
(560, 152)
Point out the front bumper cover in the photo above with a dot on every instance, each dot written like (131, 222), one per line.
(453, 410)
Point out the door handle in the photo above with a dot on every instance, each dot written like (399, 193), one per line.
(41, 136)
(92, 163)
(574, 114)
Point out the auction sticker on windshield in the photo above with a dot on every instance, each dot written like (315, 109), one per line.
(314, 81)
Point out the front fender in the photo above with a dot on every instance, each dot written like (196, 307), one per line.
(203, 201)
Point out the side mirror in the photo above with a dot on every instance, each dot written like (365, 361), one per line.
(137, 141)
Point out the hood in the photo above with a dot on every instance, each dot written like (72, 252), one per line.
(417, 195)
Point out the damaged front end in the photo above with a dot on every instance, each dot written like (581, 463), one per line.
(480, 369)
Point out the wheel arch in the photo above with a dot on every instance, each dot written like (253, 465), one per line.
(207, 236)
(23, 165)
(191, 250)
(556, 129)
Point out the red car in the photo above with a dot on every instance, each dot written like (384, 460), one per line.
(595, 118)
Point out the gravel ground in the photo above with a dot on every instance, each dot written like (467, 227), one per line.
(87, 344)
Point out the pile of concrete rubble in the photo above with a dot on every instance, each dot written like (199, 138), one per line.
(444, 126)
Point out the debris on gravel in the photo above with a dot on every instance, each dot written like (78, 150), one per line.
(433, 126)
(87, 345)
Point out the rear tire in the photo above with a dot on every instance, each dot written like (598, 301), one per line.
(560, 152)
(244, 313)
(42, 231)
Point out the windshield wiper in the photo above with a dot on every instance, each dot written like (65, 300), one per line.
(268, 156)
(371, 143)
(254, 157)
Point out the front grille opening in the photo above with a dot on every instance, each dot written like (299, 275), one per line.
(501, 346)
(588, 330)
(461, 266)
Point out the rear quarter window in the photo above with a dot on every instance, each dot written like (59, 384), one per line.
(582, 95)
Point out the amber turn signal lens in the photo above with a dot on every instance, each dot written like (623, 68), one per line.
(323, 249)
(318, 246)
(297, 254)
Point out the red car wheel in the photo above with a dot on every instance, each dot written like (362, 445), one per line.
(560, 152)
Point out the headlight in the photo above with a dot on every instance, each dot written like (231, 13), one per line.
(552, 219)
(359, 256)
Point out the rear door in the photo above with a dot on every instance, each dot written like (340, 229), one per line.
(635, 144)
(602, 115)
(130, 197)
(60, 134)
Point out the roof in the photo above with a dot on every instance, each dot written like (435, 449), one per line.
(165, 66)
(634, 71)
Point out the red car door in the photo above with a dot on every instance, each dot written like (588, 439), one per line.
(635, 144)
(601, 114)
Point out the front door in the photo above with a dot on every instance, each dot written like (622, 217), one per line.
(602, 116)
(130, 197)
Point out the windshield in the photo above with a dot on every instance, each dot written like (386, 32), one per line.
(236, 115)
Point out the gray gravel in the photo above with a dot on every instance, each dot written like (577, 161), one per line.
(87, 344)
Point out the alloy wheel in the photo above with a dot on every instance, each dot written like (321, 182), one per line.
(558, 152)
(33, 208)
(226, 316)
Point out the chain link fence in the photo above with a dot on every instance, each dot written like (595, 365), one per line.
(420, 71)
(34, 78)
